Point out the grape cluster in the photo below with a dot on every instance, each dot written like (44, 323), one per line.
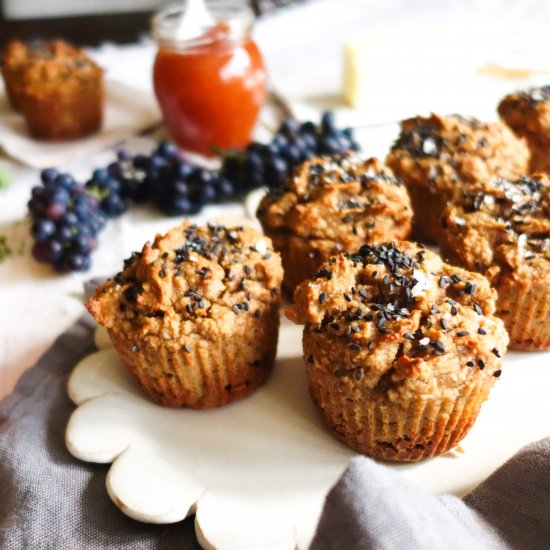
(169, 181)
(269, 164)
(66, 221)
(67, 216)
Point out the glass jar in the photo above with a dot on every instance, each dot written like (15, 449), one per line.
(210, 88)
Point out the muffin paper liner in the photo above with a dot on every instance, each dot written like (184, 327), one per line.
(371, 424)
(524, 306)
(296, 255)
(212, 373)
(428, 208)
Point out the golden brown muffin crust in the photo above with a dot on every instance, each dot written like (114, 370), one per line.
(501, 226)
(194, 282)
(527, 112)
(436, 156)
(441, 152)
(502, 229)
(343, 198)
(48, 66)
(411, 324)
(333, 204)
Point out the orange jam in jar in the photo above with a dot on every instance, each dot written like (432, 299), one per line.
(211, 87)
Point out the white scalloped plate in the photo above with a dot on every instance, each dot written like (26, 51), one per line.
(256, 471)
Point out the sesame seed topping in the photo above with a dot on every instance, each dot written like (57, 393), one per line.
(438, 344)
(497, 373)
(322, 298)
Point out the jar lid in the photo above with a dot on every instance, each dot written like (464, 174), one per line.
(232, 21)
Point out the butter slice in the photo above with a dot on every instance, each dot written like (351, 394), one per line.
(354, 86)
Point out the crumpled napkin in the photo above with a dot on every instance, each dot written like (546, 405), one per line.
(128, 111)
(373, 507)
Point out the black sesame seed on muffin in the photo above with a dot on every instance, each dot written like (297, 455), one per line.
(330, 205)
(502, 229)
(436, 156)
(400, 348)
(195, 315)
(527, 112)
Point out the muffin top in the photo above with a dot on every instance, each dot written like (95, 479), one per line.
(406, 321)
(48, 63)
(440, 152)
(502, 226)
(193, 281)
(342, 198)
(527, 112)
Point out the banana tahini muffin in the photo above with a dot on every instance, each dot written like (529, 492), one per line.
(195, 315)
(400, 348)
(436, 156)
(331, 205)
(527, 112)
(56, 86)
(502, 229)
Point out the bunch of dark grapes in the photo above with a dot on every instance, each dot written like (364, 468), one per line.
(170, 182)
(66, 221)
(67, 216)
(269, 164)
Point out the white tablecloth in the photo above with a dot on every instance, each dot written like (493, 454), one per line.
(302, 47)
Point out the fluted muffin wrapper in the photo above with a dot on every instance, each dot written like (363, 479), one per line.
(299, 258)
(371, 424)
(12, 91)
(64, 116)
(208, 373)
(524, 306)
(427, 207)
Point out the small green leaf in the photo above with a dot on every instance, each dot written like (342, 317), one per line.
(5, 178)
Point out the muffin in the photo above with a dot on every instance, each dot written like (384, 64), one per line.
(195, 315)
(57, 88)
(528, 114)
(400, 348)
(502, 229)
(12, 64)
(436, 156)
(331, 205)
